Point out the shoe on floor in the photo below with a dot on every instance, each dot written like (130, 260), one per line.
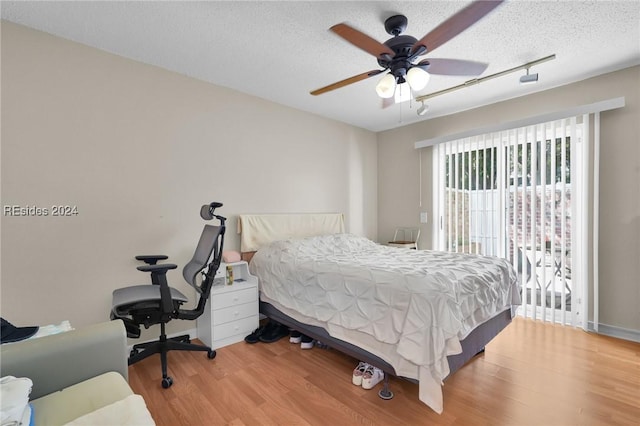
(371, 377)
(356, 379)
(295, 336)
(274, 333)
(306, 343)
(254, 337)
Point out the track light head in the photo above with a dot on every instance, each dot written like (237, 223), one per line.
(529, 78)
(423, 109)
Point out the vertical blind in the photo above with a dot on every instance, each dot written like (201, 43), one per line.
(513, 193)
(506, 188)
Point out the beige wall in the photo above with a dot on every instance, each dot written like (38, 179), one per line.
(398, 182)
(138, 150)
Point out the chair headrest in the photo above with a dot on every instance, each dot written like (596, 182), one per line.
(206, 211)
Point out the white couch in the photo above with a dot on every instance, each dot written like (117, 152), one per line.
(79, 377)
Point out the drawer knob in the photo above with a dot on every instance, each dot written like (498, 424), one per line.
(236, 313)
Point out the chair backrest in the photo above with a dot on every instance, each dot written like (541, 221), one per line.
(406, 237)
(407, 234)
(210, 242)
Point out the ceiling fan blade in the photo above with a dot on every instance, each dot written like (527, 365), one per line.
(456, 24)
(361, 40)
(443, 66)
(346, 82)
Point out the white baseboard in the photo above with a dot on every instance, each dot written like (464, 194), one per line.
(619, 332)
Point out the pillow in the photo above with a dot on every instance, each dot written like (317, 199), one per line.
(231, 256)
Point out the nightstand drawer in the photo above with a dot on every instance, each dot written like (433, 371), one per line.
(233, 298)
(244, 326)
(233, 313)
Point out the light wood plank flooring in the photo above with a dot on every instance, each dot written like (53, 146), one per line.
(531, 374)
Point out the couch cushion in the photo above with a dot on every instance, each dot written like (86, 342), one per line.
(61, 407)
(131, 411)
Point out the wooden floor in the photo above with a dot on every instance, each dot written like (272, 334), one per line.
(531, 374)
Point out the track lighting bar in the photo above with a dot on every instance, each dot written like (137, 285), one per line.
(475, 81)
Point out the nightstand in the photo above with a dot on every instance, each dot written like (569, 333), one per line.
(231, 312)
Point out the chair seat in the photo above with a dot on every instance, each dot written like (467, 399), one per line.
(137, 294)
(405, 238)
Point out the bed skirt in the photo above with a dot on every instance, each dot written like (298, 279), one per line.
(471, 345)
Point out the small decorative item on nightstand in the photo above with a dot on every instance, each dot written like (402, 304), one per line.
(229, 275)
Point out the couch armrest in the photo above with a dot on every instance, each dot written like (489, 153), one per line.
(61, 360)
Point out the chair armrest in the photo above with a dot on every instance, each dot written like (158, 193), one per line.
(61, 360)
(159, 277)
(157, 269)
(151, 259)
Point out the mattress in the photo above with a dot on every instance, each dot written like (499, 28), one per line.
(411, 308)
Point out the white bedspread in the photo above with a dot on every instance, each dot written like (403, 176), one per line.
(409, 307)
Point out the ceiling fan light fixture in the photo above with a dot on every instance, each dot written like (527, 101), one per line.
(386, 87)
(418, 78)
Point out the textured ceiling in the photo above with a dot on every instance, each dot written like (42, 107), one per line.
(282, 50)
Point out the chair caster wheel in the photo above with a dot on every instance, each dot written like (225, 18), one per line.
(167, 382)
(211, 354)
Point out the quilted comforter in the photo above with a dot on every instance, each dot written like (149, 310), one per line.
(409, 307)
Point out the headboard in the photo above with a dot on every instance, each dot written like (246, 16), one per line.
(257, 230)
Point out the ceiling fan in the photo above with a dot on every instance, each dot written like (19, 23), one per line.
(400, 53)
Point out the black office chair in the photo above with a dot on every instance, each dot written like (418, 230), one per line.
(157, 303)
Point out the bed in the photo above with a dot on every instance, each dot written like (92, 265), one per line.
(416, 314)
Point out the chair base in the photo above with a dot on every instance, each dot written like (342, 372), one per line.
(162, 347)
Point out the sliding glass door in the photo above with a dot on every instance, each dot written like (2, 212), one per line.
(514, 194)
